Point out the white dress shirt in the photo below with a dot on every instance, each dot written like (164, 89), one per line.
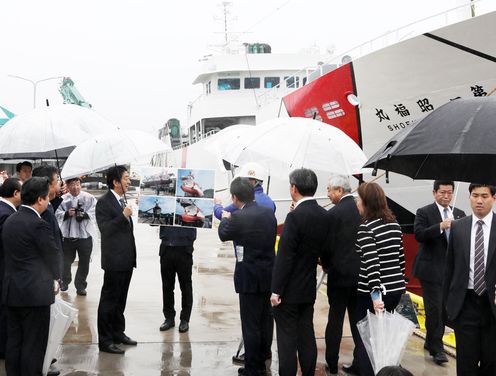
(33, 209)
(486, 227)
(303, 200)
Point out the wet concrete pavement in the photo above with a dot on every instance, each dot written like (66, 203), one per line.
(214, 332)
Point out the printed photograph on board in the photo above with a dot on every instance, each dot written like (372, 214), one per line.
(158, 181)
(192, 212)
(156, 210)
(195, 183)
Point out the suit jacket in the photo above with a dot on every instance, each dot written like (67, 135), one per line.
(49, 216)
(117, 238)
(431, 256)
(302, 240)
(458, 265)
(339, 258)
(30, 260)
(254, 228)
(5, 212)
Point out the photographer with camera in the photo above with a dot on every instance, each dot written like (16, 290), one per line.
(76, 215)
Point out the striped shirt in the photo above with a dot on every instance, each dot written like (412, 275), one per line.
(382, 262)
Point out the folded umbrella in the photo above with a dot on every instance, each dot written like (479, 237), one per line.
(62, 314)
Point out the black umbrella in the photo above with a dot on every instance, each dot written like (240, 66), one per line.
(457, 141)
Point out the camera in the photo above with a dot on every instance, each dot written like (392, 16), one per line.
(79, 211)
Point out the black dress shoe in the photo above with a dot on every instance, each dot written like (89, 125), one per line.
(351, 369)
(440, 358)
(81, 292)
(183, 326)
(332, 370)
(111, 349)
(125, 340)
(167, 324)
(52, 371)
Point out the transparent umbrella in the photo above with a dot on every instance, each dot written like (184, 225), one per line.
(285, 144)
(385, 336)
(109, 149)
(50, 132)
(62, 314)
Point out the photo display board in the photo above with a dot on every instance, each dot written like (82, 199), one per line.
(176, 197)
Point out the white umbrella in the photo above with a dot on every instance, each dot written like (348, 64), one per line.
(41, 132)
(225, 139)
(285, 144)
(62, 314)
(385, 336)
(109, 149)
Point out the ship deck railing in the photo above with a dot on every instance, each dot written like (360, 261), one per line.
(405, 32)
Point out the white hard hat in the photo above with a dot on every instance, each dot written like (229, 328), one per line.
(252, 170)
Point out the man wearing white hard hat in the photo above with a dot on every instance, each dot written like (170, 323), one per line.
(255, 173)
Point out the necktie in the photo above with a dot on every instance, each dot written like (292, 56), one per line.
(446, 216)
(123, 203)
(479, 270)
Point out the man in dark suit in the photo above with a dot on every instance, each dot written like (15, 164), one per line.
(10, 199)
(432, 226)
(113, 216)
(48, 215)
(31, 272)
(342, 263)
(294, 277)
(253, 229)
(469, 284)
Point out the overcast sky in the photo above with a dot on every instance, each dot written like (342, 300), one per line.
(135, 61)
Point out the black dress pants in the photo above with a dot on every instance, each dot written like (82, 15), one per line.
(27, 330)
(295, 338)
(111, 321)
(255, 318)
(176, 260)
(475, 331)
(83, 247)
(3, 323)
(340, 300)
(432, 294)
(364, 304)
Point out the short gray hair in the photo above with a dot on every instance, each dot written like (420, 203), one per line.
(343, 181)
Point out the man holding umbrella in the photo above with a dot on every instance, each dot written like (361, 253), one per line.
(113, 217)
(431, 228)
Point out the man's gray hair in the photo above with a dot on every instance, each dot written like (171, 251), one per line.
(343, 181)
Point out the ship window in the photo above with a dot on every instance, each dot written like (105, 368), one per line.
(252, 82)
(228, 84)
(292, 82)
(270, 82)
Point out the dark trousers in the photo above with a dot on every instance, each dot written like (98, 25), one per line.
(27, 329)
(255, 318)
(111, 321)
(432, 294)
(295, 338)
(340, 300)
(3, 323)
(83, 247)
(364, 303)
(475, 331)
(176, 260)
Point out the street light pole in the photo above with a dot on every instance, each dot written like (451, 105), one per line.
(35, 84)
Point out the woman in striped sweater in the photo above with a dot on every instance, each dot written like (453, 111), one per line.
(382, 264)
